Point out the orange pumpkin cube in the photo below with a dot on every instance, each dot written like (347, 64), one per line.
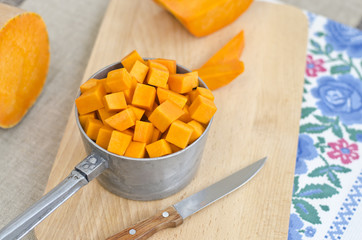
(200, 91)
(115, 101)
(138, 112)
(92, 127)
(144, 96)
(143, 132)
(164, 94)
(170, 64)
(119, 142)
(202, 109)
(91, 100)
(103, 114)
(158, 148)
(154, 64)
(122, 120)
(198, 130)
(157, 77)
(182, 83)
(88, 84)
(155, 135)
(83, 118)
(104, 135)
(174, 148)
(136, 150)
(129, 131)
(148, 112)
(166, 113)
(103, 81)
(128, 94)
(139, 71)
(186, 116)
(179, 134)
(130, 59)
(118, 80)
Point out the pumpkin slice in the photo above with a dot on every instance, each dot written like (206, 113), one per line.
(24, 62)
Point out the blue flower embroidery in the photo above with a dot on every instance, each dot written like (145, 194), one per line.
(342, 97)
(342, 37)
(306, 151)
(295, 224)
(310, 231)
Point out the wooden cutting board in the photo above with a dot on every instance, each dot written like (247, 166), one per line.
(258, 115)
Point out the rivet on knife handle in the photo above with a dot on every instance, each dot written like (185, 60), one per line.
(145, 229)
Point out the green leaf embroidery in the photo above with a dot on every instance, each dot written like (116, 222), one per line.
(339, 169)
(353, 133)
(315, 52)
(313, 128)
(338, 69)
(314, 191)
(315, 44)
(328, 49)
(337, 131)
(306, 211)
(321, 139)
(307, 111)
(333, 178)
(306, 81)
(318, 172)
(319, 34)
(296, 185)
(324, 208)
(324, 119)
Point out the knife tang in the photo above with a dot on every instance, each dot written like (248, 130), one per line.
(165, 219)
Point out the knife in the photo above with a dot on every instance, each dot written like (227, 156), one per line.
(174, 216)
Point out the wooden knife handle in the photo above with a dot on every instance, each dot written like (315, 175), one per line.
(145, 229)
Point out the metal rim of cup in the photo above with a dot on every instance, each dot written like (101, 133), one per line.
(130, 158)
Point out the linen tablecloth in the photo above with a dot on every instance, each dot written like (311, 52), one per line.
(327, 191)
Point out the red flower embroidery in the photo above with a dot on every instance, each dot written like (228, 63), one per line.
(314, 66)
(346, 152)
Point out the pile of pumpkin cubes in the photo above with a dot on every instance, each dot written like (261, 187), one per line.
(145, 109)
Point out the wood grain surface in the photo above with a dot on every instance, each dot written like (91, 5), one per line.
(258, 115)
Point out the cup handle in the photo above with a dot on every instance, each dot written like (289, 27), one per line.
(84, 172)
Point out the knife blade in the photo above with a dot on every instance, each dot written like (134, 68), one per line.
(174, 215)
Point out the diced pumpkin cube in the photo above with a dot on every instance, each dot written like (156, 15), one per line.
(164, 94)
(137, 111)
(143, 132)
(186, 116)
(179, 134)
(103, 114)
(170, 64)
(144, 96)
(174, 148)
(202, 109)
(83, 118)
(157, 77)
(139, 71)
(158, 148)
(128, 94)
(122, 120)
(91, 100)
(88, 84)
(104, 135)
(103, 81)
(154, 64)
(136, 150)
(148, 112)
(92, 127)
(198, 130)
(182, 83)
(129, 131)
(166, 113)
(130, 59)
(115, 101)
(119, 80)
(200, 91)
(156, 135)
(119, 142)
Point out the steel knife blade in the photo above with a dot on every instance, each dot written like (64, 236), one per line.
(174, 215)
